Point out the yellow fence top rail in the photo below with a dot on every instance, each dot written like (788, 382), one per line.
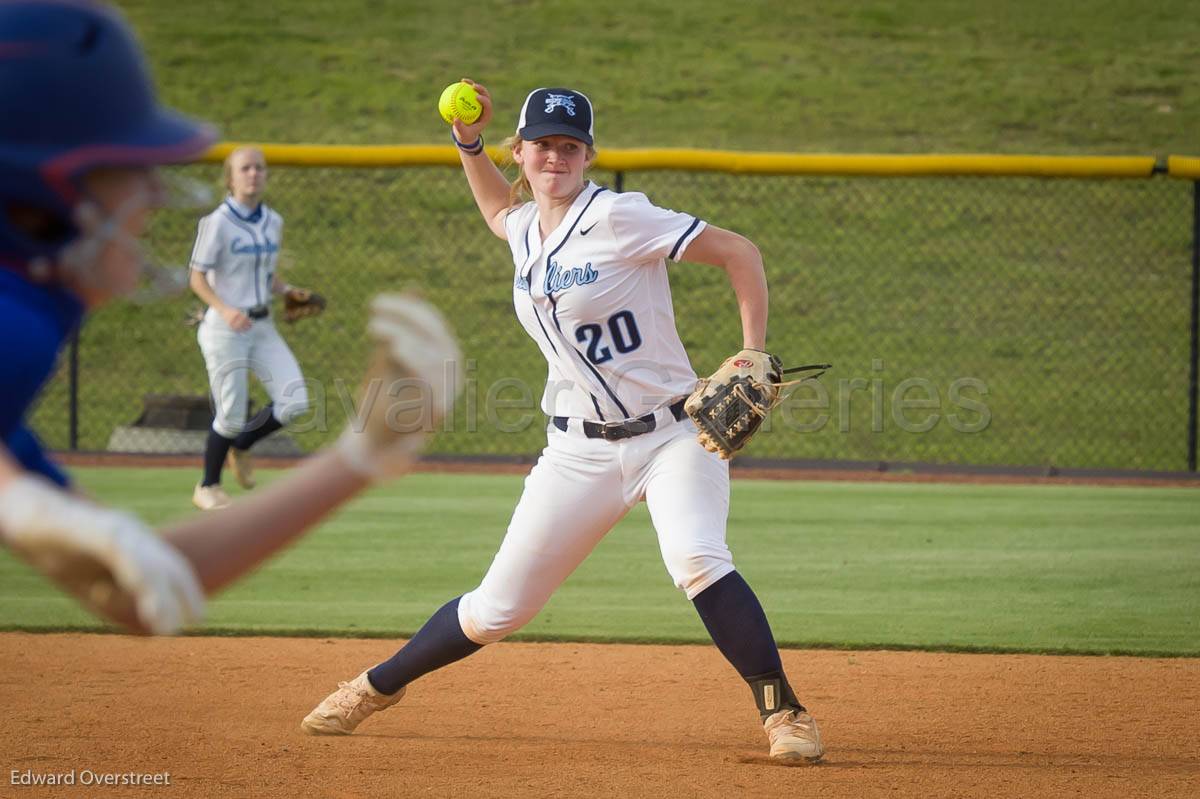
(879, 165)
(1179, 166)
(1137, 166)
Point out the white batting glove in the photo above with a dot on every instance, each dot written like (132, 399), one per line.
(112, 562)
(415, 376)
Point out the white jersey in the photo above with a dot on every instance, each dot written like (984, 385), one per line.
(595, 297)
(237, 252)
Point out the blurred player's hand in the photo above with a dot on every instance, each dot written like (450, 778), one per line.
(113, 563)
(415, 375)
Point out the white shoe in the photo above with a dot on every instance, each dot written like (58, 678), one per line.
(794, 736)
(347, 707)
(241, 464)
(210, 497)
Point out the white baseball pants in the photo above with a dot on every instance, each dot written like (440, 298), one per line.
(230, 356)
(578, 490)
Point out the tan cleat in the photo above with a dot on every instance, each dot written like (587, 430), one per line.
(794, 736)
(347, 707)
(210, 497)
(241, 464)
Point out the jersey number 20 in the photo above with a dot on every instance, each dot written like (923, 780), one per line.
(622, 329)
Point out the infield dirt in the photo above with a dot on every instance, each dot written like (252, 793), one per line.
(221, 716)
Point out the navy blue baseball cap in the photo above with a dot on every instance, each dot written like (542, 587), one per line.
(548, 112)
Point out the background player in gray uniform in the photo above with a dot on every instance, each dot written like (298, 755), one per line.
(590, 287)
(234, 271)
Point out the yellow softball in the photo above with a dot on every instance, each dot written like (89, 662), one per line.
(459, 100)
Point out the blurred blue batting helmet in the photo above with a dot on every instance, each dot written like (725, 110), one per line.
(75, 94)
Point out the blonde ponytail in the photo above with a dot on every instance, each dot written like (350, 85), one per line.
(519, 188)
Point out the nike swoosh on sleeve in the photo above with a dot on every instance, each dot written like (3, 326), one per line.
(588, 229)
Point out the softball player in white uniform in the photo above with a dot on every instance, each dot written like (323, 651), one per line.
(590, 287)
(233, 266)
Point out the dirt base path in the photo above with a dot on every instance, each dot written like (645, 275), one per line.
(220, 716)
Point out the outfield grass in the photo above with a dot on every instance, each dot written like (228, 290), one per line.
(990, 568)
(903, 76)
(1067, 299)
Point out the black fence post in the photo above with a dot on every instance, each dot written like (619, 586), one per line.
(619, 182)
(73, 391)
(1194, 352)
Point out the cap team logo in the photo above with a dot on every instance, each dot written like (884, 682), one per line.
(560, 100)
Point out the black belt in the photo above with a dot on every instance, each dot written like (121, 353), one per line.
(259, 312)
(615, 431)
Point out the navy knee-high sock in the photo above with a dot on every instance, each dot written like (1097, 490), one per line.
(215, 450)
(262, 425)
(439, 643)
(735, 619)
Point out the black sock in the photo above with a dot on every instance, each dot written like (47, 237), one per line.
(735, 619)
(215, 450)
(439, 643)
(262, 425)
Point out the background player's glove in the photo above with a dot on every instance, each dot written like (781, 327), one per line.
(730, 406)
(115, 565)
(415, 375)
(301, 303)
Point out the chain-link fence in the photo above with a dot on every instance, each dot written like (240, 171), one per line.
(970, 320)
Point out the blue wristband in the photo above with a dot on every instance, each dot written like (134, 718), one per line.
(470, 149)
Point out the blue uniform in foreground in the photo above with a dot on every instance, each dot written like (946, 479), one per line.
(35, 322)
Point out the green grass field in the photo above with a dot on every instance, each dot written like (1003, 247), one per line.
(1109, 76)
(1068, 299)
(955, 567)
